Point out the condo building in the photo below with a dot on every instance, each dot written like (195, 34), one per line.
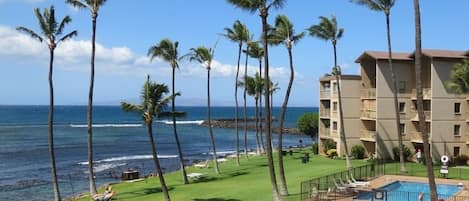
(369, 111)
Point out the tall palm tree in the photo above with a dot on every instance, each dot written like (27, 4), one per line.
(153, 102)
(421, 114)
(258, 53)
(238, 35)
(204, 56)
(385, 7)
(249, 85)
(93, 6)
(263, 6)
(283, 33)
(52, 35)
(327, 29)
(459, 78)
(248, 41)
(167, 50)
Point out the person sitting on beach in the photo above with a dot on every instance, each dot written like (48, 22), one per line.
(107, 195)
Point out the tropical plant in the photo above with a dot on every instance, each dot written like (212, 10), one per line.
(284, 33)
(396, 151)
(358, 152)
(461, 159)
(204, 56)
(328, 144)
(153, 102)
(385, 7)
(459, 78)
(331, 153)
(167, 50)
(238, 35)
(308, 123)
(327, 29)
(93, 6)
(263, 6)
(421, 115)
(52, 36)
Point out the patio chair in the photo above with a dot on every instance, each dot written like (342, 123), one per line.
(338, 187)
(357, 184)
(355, 181)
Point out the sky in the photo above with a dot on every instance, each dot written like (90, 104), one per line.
(126, 30)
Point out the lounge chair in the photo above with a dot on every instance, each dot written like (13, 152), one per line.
(355, 181)
(350, 185)
(104, 196)
(357, 184)
(339, 187)
(202, 165)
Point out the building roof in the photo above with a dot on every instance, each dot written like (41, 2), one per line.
(447, 54)
(380, 55)
(343, 77)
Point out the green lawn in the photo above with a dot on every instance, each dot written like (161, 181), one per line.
(250, 181)
(419, 170)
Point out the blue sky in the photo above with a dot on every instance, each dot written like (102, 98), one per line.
(126, 29)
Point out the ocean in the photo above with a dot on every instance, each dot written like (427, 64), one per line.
(120, 143)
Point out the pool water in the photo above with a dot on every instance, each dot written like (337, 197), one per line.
(404, 190)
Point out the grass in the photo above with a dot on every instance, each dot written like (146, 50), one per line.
(420, 170)
(250, 181)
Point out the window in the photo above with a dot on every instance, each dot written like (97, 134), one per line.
(402, 107)
(456, 151)
(402, 86)
(457, 108)
(334, 87)
(427, 105)
(456, 129)
(334, 125)
(334, 106)
(402, 129)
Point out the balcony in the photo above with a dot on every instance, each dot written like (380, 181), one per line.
(369, 93)
(427, 116)
(326, 94)
(427, 93)
(366, 135)
(325, 113)
(368, 114)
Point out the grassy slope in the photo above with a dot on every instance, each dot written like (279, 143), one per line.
(250, 181)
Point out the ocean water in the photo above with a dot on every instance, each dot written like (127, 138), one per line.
(120, 143)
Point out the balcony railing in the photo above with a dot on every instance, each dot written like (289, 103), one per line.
(427, 93)
(325, 113)
(368, 114)
(366, 134)
(369, 93)
(325, 94)
(325, 132)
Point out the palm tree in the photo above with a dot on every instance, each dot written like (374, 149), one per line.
(258, 53)
(385, 6)
(327, 29)
(51, 30)
(283, 33)
(93, 6)
(152, 104)
(248, 41)
(421, 114)
(263, 6)
(459, 78)
(204, 56)
(167, 50)
(249, 85)
(238, 35)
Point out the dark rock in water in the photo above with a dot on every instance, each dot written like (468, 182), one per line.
(23, 184)
(170, 114)
(231, 123)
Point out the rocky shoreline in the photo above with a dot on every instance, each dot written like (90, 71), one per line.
(230, 123)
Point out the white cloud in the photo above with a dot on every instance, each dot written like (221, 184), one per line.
(73, 55)
(21, 1)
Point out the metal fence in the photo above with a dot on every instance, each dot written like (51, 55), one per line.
(380, 195)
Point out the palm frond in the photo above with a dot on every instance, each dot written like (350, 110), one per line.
(62, 24)
(30, 32)
(277, 4)
(78, 4)
(68, 36)
(371, 4)
(42, 22)
(128, 107)
(49, 15)
(248, 5)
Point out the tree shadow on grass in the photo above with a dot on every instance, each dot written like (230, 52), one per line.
(155, 190)
(214, 199)
(262, 165)
(203, 179)
(238, 174)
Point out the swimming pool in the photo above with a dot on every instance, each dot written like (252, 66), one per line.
(404, 190)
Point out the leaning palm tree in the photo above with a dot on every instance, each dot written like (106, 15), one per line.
(459, 78)
(93, 6)
(263, 6)
(385, 6)
(283, 33)
(257, 52)
(327, 29)
(249, 85)
(153, 102)
(421, 114)
(167, 50)
(204, 56)
(238, 35)
(248, 41)
(52, 35)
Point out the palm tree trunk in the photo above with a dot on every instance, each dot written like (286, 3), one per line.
(260, 111)
(236, 105)
(258, 146)
(173, 110)
(55, 183)
(90, 111)
(421, 114)
(283, 180)
(341, 112)
(268, 129)
(164, 188)
(396, 103)
(212, 139)
(245, 109)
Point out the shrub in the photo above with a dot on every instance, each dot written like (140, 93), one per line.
(331, 153)
(461, 159)
(358, 152)
(308, 123)
(407, 153)
(315, 147)
(328, 144)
